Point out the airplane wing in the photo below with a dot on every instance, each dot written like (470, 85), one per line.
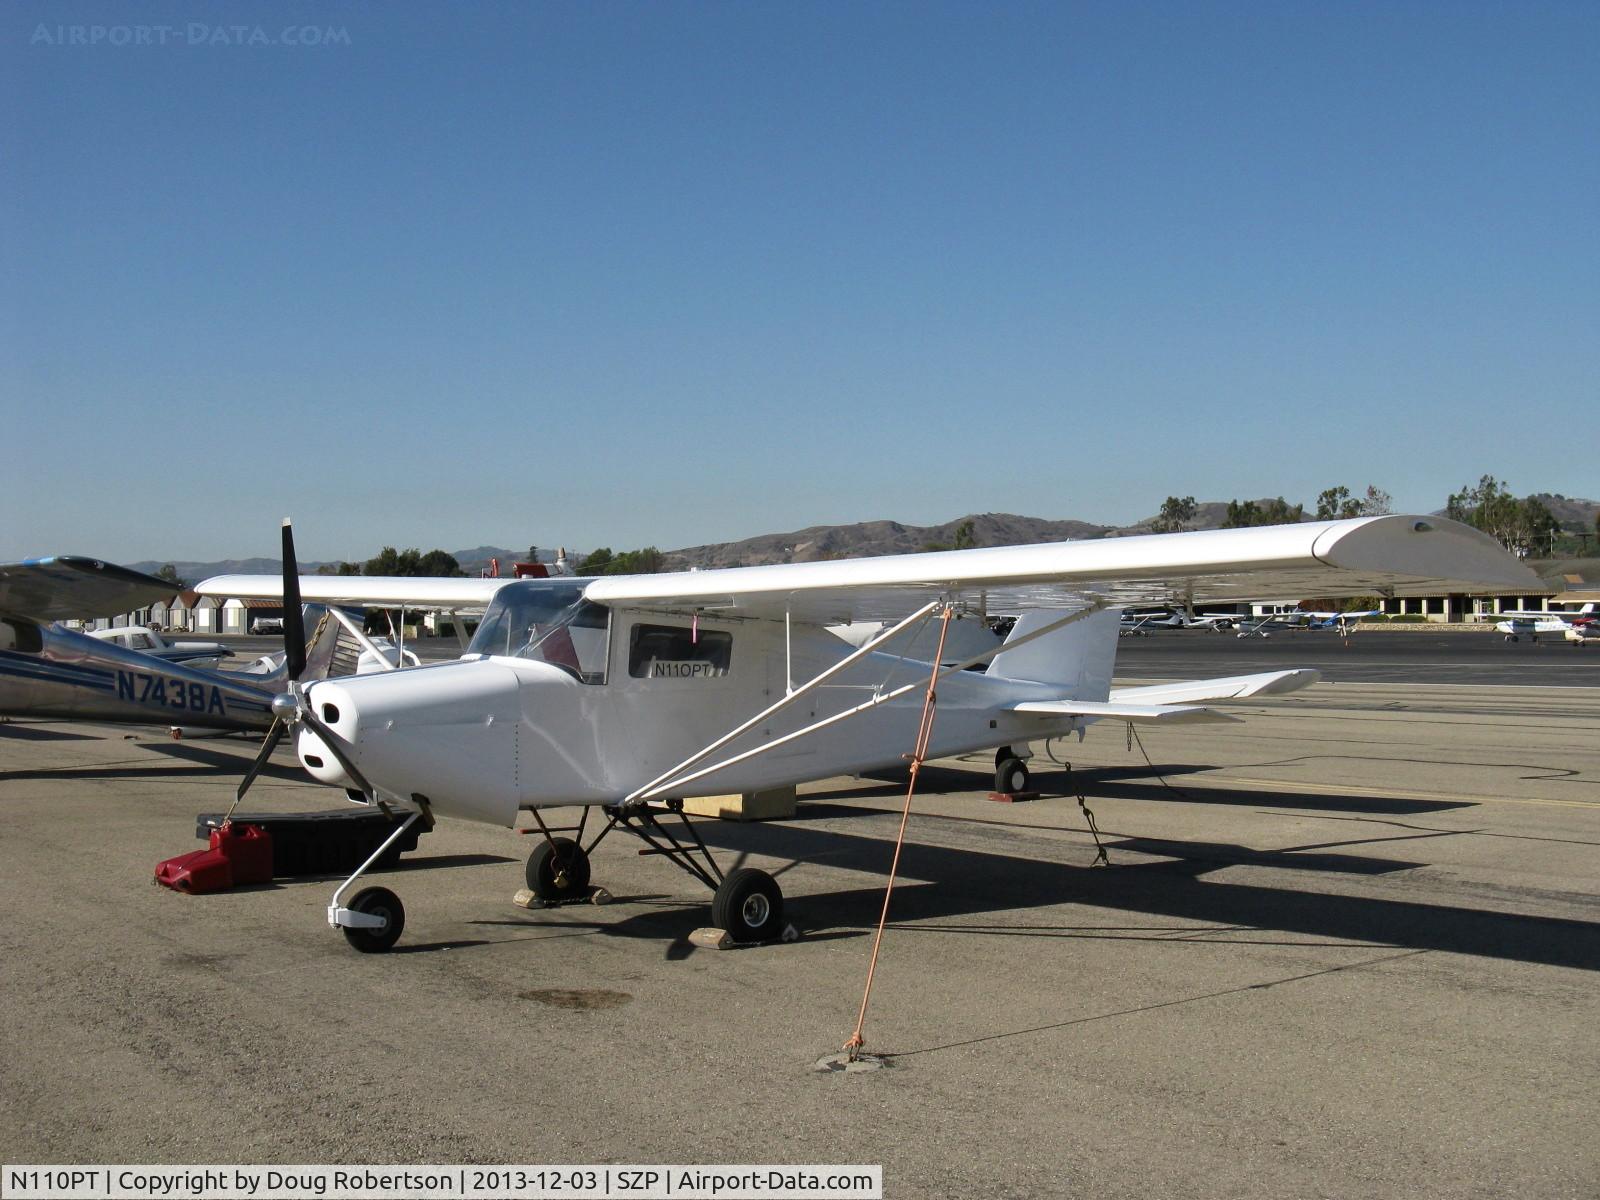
(65, 586)
(1392, 555)
(380, 590)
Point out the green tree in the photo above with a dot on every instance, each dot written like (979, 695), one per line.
(1241, 516)
(170, 574)
(595, 562)
(439, 564)
(1375, 503)
(637, 562)
(1176, 516)
(1336, 502)
(1277, 511)
(964, 536)
(1522, 526)
(412, 562)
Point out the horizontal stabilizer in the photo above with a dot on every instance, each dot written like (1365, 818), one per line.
(1166, 714)
(1231, 687)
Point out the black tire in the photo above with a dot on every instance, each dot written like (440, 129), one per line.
(378, 902)
(557, 870)
(1011, 777)
(1002, 754)
(749, 905)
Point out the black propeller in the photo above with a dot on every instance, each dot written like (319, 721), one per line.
(294, 622)
(291, 707)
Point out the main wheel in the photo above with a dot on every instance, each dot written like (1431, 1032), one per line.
(376, 902)
(1011, 777)
(558, 869)
(749, 905)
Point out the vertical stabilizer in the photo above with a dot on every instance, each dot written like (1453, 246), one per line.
(1078, 657)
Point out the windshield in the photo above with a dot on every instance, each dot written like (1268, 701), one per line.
(547, 621)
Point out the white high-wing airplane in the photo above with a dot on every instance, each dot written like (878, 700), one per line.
(629, 693)
(1137, 622)
(1575, 626)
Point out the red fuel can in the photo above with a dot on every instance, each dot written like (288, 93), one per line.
(238, 854)
(197, 872)
(248, 850)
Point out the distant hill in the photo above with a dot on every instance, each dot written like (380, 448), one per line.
(868, 539)
(1208, 514)
(472, 561)
(865, 539)
(1570, 511)
(194, 572)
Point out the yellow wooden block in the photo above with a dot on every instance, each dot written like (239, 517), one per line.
(769, 805)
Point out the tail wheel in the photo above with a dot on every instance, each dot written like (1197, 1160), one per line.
(749, 905)
(376, 902)
(558, 869)
(1011, 777)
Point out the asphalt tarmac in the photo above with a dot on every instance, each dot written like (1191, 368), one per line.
(1345, 948)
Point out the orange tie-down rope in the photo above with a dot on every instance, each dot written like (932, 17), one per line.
(924, 734)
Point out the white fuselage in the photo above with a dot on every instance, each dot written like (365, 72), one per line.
(488, 735)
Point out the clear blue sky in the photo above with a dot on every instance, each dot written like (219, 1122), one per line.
(623, 274)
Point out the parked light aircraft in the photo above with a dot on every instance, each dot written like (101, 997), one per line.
(47, 670)
(1532, 623)
(148, 641)
(1137, 622)
(629, 693)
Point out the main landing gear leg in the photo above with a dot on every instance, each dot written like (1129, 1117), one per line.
(747, 903)
(375, 918)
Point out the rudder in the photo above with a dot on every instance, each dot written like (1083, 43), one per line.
(1077, 657)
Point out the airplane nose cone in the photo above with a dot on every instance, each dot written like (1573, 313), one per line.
(336, 710)
(446, 732)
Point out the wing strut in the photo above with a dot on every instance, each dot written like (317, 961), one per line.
(361, 637)
(654, 787)
(674, 779)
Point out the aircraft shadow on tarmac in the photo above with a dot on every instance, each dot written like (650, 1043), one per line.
(33, 733)
(942, 882)
(1117, 783)
(205, 760)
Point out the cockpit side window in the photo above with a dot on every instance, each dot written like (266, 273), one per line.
(678, 652)
(23, 636)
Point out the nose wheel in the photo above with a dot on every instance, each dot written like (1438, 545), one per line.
(383, 908)
(374, 919)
